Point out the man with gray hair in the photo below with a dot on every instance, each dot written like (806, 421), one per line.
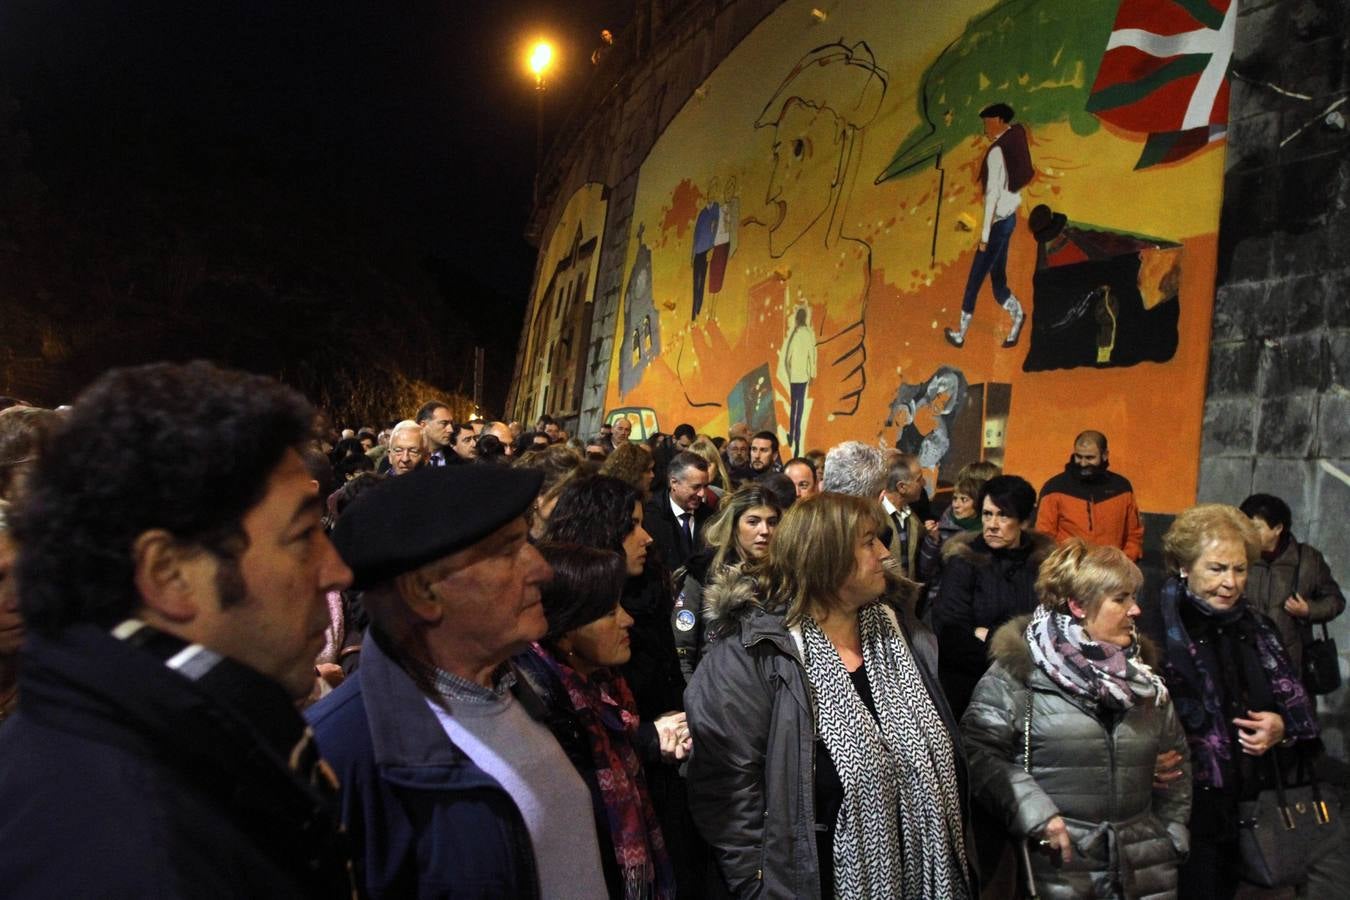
(407, 447)
(857, 469)
(854, 468)
(675, 517)
(450, 782)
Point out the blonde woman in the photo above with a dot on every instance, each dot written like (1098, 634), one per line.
(1077, 674)
(827, 763)
(720, 485)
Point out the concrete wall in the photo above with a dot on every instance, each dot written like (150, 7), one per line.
(1277, 416)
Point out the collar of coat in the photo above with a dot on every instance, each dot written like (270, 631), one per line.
(1008, 646)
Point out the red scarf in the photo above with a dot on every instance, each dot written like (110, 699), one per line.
(604, 706)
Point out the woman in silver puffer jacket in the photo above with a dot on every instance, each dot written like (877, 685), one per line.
(1100, 717)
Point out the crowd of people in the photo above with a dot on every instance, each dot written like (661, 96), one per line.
(246, 654)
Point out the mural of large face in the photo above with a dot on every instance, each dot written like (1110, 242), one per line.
(806, 150)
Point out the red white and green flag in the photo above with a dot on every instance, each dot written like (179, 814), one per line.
(1165, 73)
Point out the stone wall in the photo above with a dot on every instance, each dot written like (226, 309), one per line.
(1277, 417)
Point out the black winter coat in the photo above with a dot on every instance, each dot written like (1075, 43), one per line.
(981, 588)
(120, 777)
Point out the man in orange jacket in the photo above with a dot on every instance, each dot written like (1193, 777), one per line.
(1087, 501)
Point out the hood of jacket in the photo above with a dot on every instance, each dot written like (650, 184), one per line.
(1009, 647)
(969, 547)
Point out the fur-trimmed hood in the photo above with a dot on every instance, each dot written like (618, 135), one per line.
(733, 597)
(1008, 646)
(964, 546)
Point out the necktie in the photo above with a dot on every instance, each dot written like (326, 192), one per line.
(687, 532)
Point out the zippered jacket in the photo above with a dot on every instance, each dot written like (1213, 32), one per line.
(1091, 767)
(1101, 511)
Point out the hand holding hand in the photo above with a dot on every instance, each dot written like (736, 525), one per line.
(1167, 769)
(1055, 839)
(1260, 732)
(1298, 607)
(672, 730)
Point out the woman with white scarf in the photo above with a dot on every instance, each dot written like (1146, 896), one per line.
(827, 763)
(1078, 676)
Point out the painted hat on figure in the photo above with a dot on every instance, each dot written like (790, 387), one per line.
(428, 514)
(1045, 224)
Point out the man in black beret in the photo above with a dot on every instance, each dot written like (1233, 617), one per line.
(448, 780)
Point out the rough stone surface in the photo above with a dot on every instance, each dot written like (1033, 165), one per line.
(1292, 364)
(1233, 368)
(1222, 479)
(1229, 427)
(1287, 426)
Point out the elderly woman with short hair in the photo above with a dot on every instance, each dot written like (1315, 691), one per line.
(1073, 685)
(826, 762)
(1236, 691)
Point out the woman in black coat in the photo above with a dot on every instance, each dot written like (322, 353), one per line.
(988, 577)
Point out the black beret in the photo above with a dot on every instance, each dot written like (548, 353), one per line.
(428, 514)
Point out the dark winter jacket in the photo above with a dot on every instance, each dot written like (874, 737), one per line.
(121, 777)
(1091, 766)
(424, 819)
(659, 521)
(752, 775)
(981, 588)
(1297, 569)
(1100, 510)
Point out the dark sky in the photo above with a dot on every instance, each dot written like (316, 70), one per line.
(416, 119)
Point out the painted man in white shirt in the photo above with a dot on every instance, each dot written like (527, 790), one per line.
(1005, 171)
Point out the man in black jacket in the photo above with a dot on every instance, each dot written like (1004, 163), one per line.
(675, 516)
(173, 573)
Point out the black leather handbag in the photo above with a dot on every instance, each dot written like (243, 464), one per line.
(1287, 827)
(1321, 664)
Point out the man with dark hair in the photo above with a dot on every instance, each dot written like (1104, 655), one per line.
(764, 454)
(173, 594)
(1087, 501)
(451, 783)
(463, 444)
(1291, 584)
(1006, 169)
(684, 435)
(436, 421)
(549, 427)
(675, 516)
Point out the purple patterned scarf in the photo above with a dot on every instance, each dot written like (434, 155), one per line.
(1100, 673)
(1196, 693)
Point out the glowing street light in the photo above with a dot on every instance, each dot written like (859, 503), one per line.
(540, 60)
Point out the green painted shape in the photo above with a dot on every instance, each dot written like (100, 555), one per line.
(1127, 92)
(1202, 12)
(1038, 56)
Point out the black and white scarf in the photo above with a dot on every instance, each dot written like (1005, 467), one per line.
(899, 831)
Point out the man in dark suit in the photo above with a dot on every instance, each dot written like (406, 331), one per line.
(675, 516)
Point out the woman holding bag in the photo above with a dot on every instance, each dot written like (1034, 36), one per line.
(1237, 693)
(1072, 688)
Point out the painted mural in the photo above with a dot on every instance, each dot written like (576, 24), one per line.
(558, 345)
(967, 229)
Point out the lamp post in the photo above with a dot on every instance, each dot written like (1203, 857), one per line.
(540, 61)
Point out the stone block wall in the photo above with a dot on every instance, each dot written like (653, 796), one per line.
(1277, 417)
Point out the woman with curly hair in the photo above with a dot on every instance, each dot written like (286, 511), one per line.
(633, 465)
(1237, 693)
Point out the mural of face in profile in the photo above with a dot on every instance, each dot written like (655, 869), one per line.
(818, 114)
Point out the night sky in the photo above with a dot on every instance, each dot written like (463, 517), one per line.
(411, 124)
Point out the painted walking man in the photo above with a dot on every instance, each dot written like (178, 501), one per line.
(1005, 171)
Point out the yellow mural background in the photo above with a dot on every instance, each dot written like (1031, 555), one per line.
(1151, 411)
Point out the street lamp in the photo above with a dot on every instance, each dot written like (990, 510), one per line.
(540, 61)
